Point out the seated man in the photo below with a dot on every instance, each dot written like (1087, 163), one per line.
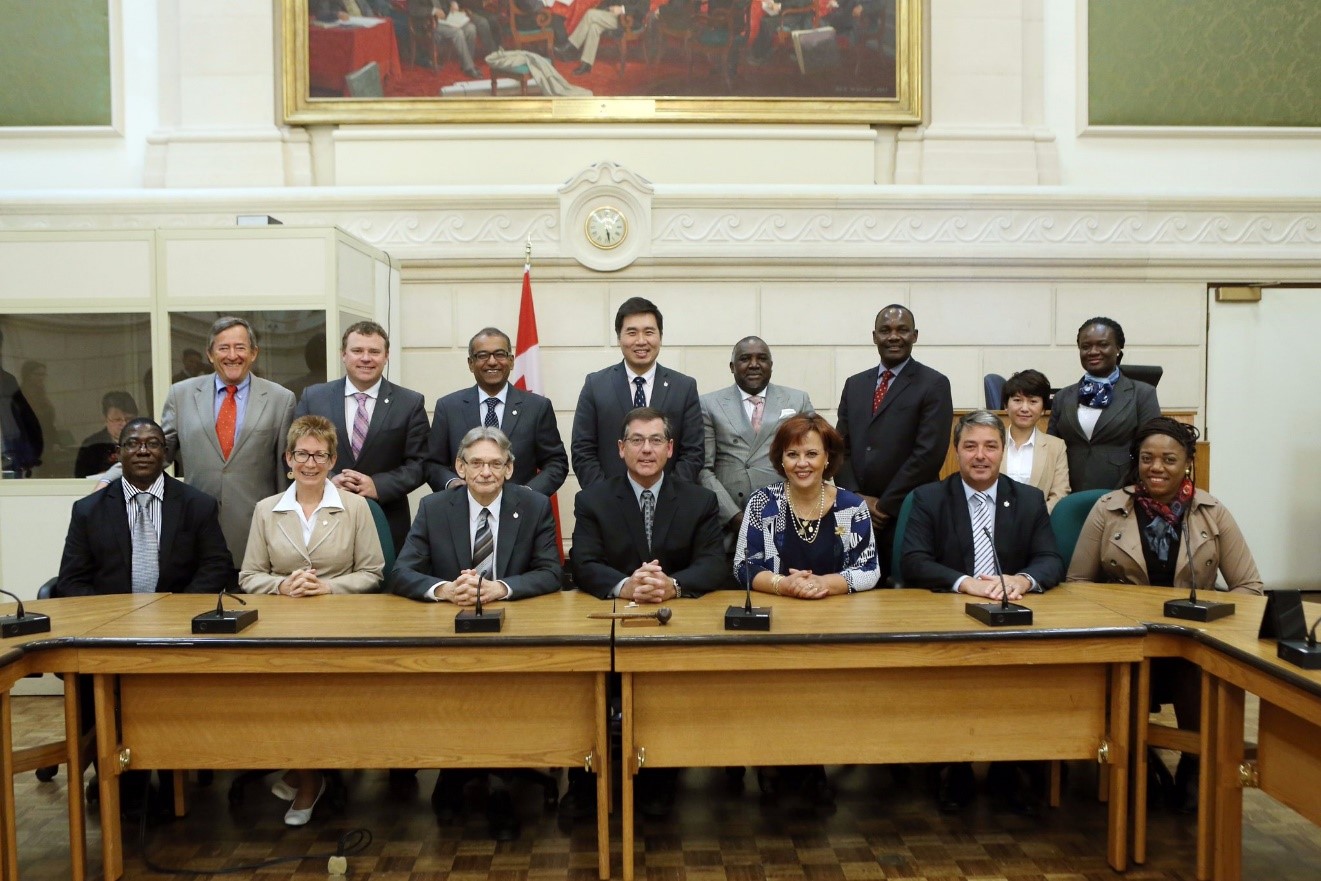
(980, 533)
(457, 29)
(98, 452)
(586, 37)
(510, 554)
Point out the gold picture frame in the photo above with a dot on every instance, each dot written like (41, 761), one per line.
(858, 63)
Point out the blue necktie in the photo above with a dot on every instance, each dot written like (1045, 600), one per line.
(639, 399)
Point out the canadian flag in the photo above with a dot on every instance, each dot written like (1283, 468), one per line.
(527, 369)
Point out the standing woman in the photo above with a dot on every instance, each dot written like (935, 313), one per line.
(1031, 456)
(1098, 416)
(307, 541)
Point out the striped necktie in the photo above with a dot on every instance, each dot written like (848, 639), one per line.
(983, 551)
(359, 436)
(146, 547)
(648, 514)
(483, 543)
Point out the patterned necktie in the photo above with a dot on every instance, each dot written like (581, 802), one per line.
(648, 514)
(881, 388)
(1096, 393)
(146, 547)
(227, 420)
(359, 424)
(482, 545)
(758, 403)
(983, 552)
(491, 421)
(639, 399)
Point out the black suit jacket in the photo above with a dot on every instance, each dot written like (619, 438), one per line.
(1103, 461)
(610, 541)
(938, 540)
(540, 462)
(607, 397)
(98, 551)
(394, 452)
(439, 547)
(901, 446)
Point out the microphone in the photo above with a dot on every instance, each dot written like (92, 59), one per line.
(1192, 609)
(477, 609)
(21, 623)
(223, 621)
(1005, 613)
(1304, 653)
(748, 616)
(476, 619)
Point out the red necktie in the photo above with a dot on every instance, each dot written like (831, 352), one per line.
(226, 419)
(881, 388)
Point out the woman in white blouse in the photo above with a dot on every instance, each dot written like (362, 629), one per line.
(1032, 456)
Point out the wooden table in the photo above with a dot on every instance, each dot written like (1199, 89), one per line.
(882, 676)
(375, 681)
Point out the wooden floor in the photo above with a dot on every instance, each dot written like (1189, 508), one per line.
(880, 831)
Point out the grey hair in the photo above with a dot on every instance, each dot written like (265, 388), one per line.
(979, 417)
(486, 433)
(223, 324)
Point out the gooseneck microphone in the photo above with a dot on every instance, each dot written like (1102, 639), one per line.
(1003, 613)
(748, 617)
(478, 620)
(224, 621)
(477, 608)
(21, 623)
(1193, 609)
(1304, 653)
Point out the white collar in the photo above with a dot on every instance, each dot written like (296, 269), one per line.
(329, 499)
(374, 392)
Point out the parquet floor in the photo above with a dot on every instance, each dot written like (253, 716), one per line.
(881, 831)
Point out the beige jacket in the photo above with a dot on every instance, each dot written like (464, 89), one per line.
(344, 549)
(1050, 468)
(1109, 548)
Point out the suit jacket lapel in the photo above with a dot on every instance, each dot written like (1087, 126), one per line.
(171, 514)
(897, 386)
(458, 529)
(510, 520)
(661, 392)
(1006, 502)
(117, 513)
(731, 404)
(622, 380)
(1038, 460)
(253, 414)
(204, 404)
(514, 402)
(384, 398)
(344, 452)
(632, 515)
(958, 510)
(665, 506)
(774, 402)
(1124, 394)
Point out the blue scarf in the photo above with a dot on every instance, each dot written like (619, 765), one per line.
(1097, 393)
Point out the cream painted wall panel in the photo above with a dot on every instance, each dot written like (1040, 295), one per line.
(791, 311)
(1150, 312)
(697, 312)
(33, 537)
(76, 269)
(985, 313)
(228, 101)
(279, 268)
(568, 314)
(427, 315)
(485, 304)
(1059, 366)
(963, 366)
(973, 160)
(219, 45)
(355, 276)
(563, 371)
(811, 369)
(1181, 386)
(436, 374)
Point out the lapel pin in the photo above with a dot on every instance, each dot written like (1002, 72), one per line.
(515, 515)
(515, 413)
(1006, 504)
(666, 384)
(387, 400)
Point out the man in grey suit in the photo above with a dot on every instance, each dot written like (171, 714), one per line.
(382, 427)
(638, 381)
(739, 422)
(527, 419)
(228, 430)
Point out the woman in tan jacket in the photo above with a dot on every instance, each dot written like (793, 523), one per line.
(307, 541)
(1031, 456)
(1161, 530)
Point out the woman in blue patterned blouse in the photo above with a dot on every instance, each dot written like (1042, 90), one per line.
(804, 537)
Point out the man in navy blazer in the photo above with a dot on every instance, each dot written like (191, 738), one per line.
(527, 419)
(389, 463)
(638, 381)
(98, 551)
(893, 448)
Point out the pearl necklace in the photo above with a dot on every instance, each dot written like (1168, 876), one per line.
(808, 529)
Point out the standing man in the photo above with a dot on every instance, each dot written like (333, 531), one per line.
(526, 419)
(739, 423)
(228, 429)
(638, 381)
(895, 420)
(382, 427)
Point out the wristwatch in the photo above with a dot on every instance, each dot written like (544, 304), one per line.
(678, 591)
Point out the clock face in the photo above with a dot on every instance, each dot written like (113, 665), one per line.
(606, 227)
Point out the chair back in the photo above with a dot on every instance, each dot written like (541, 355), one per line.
(993, 388)
(1148, 373)
(897, 553)
(47, 590)
(387, 542)
(1068, 517)
(365, 82)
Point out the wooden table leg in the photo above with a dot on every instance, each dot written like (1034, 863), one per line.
(107, 771)
(601, 767)
(73, 757)
(1141, 705)
(1120, 706)
(1207, 776)
(627, 768)
(1228, 801)
(9, 865)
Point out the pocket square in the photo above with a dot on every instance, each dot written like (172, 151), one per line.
(787, 412)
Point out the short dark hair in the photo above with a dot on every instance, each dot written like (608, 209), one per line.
(638, 306)
(644, 414)
(1103, 322)
(1184, 435)
(139, 422)
(795, 428)
(364, 328)
(121, 401)
(489, 331)
(225, 323)
(1028, 383)
(900, 307)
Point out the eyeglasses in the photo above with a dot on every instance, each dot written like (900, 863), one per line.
(133, 444)
(637, 441)
(497, 355)
(482, 464)
(320, 457)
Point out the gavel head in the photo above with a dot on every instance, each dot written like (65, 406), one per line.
(663, 614)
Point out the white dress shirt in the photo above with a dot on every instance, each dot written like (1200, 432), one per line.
(649, 381)
(474, 520)
(351, 403)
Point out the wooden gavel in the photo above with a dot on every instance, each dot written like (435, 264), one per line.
(661, 615)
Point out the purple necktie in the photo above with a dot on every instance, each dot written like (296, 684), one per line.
(359, 436)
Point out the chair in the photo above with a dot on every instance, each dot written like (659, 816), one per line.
(800, 16)
(870, 37)
(630, 30)
(993, 388)
(1068, 517)
(675, 25)
(897, 553)
(422, 30)
(719, 34)
(365, 82)
(387, 542)
(1148, 373)
(523, 36)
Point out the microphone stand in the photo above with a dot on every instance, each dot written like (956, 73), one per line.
(21, 623)
(748, 616)
(478, 620)
(1192, 609)
(223, 621)
(1304, 653)
(1003, 613)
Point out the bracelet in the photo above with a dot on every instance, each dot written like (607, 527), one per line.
(775, 583)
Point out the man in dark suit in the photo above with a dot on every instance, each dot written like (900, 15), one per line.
(382, 427)
(980, 533)
(527, 419)
(895, 422)
(638, 381)
(489, 537)
(101, 549)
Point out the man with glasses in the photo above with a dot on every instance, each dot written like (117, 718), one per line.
(526, 419)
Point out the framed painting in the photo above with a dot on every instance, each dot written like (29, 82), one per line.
(528, 61)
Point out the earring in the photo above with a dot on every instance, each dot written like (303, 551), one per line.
(289, 474)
